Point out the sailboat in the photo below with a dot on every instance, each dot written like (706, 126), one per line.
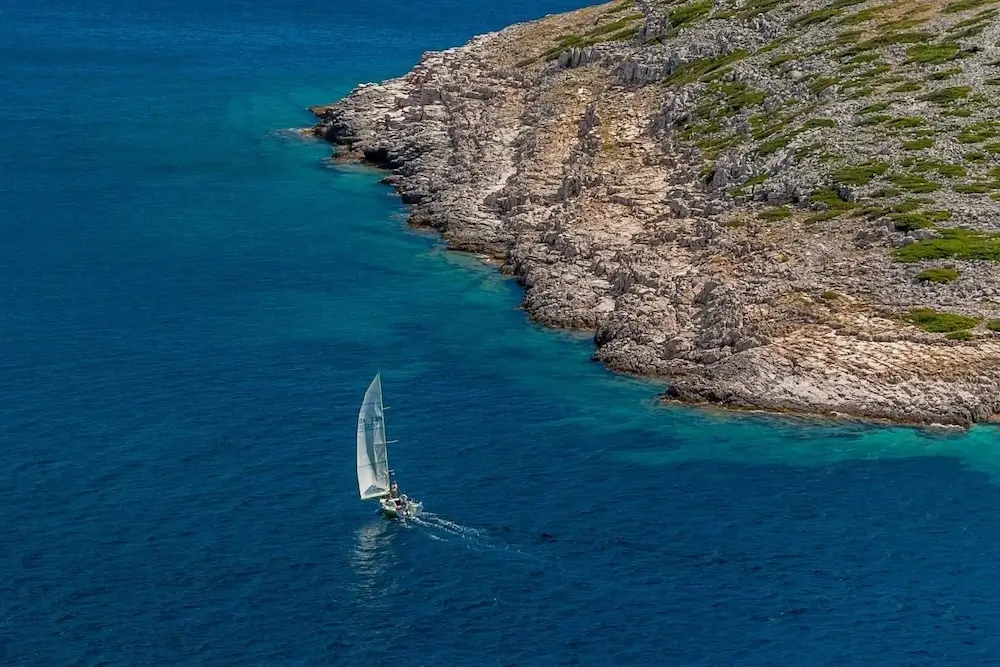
(375, 480)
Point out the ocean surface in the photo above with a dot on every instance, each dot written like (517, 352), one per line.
(192, 303)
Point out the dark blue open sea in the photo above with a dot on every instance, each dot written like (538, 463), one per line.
(192, 304)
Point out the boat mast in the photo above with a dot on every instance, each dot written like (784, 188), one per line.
(385, 431)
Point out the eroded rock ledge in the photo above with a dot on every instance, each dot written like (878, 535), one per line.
(704, 186)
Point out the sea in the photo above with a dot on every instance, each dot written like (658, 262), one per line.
(193, 301)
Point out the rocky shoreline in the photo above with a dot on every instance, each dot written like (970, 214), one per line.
(573, 151)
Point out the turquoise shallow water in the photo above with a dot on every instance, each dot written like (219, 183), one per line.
(193, 304)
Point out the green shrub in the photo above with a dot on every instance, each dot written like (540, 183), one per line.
(944, 274)
(959, 335)
(918, 144)
(929, 319)
(907, 222)
(829, 295)
(861, 174)
(993, 325)
(908, 87)
(958, 243)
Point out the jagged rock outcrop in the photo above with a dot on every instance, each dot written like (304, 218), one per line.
(724, 192)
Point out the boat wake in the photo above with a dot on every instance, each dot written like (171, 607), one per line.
(440, 529)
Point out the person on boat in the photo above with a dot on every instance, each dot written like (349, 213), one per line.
(394, 491)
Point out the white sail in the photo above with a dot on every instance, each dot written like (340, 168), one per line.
(373, 460)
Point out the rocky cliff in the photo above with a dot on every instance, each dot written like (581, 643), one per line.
(771, 204)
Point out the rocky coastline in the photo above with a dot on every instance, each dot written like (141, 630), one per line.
(755, 201)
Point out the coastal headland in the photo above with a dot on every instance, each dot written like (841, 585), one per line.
(774, 205)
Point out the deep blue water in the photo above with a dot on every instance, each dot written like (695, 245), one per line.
(191, 306)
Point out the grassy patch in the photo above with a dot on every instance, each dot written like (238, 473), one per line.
(942, 168)
(907, 87)
(697, 68)
(829, 295)
(934, 54)
(965, 5)
(918, 144)
(860, 17)
(935, 321)
(755, 7)
(822, 83)
(907, 222)
(888, 39)
(876, 119)
(944, 274)
(777, 61)
(773, 145)
(959, 335)
(623, 28)
(945, 74)
(873, 108)
(978, 132)
(814, 123)
(978, 156)
(958, 112)
(993, 325)
(776, 213)
(946, 95)
(861, 174)
(906, 122)
(833, 202)
(905, 219)
(864, 58)
(913, 183)
(958, 243)
(976, 188)
(685, 15)
(734, 98)
(816, 17)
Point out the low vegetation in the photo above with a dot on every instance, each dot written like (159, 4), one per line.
(944, 274)
(954, 243)
(934, 321)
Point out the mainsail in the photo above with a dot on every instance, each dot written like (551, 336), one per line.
(373, 460)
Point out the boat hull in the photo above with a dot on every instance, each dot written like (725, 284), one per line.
(410, 509)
